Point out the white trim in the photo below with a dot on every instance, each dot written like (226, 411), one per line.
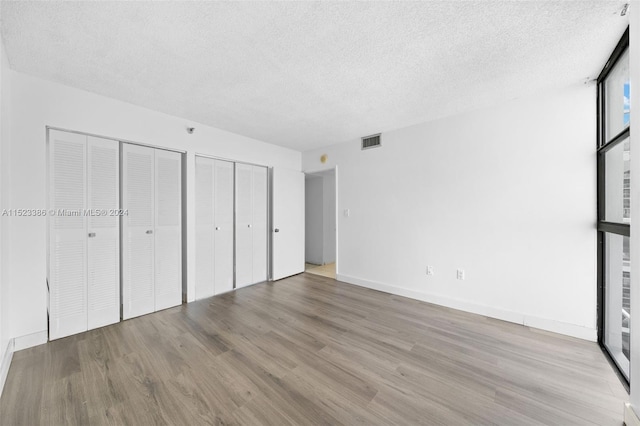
(630, 416)
(30, 340)
(5, 364)
(572, 330)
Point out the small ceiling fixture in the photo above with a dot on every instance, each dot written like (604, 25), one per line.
(190, 130)
(323, 158)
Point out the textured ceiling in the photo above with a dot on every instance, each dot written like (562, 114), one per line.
(308, 74)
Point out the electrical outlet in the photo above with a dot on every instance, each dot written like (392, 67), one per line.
(429, 270)
(347, 212)
(460, 274)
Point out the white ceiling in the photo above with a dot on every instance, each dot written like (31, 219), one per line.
(308, 74)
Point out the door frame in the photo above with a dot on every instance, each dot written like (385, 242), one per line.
(337, 209)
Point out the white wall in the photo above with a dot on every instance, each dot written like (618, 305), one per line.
(329, 218)
(508, 193)
(5, 332)
(37, 103)
(313, 223)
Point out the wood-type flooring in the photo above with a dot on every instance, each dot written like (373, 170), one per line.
(311, 350)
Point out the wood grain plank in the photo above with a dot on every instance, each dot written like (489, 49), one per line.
(312, 350)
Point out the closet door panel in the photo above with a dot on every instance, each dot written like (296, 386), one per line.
(204, 228)
(67, 235)
(168, 229)
(223, 226)
(103, 242)
(244, 223)
(259, 224)
(138, 240)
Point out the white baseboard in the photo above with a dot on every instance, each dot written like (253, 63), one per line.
(559, 327)
(5, 363)
(30, 340)
(630, 416)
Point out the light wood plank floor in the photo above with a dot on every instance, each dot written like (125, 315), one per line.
(328, 270)
(312, 350)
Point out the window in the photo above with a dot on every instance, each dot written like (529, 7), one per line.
(614, 208)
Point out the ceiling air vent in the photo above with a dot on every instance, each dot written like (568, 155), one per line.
(372, 141)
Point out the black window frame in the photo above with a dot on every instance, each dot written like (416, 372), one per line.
(624, 229)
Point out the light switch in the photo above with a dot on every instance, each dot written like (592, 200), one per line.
(347, 212)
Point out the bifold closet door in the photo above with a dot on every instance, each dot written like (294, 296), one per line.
(168, 229)
(251, 224)
(214, 226)
(260, 224)
(204, 228)
(152, 230)
(103, 232)
(223, 226)
(67, 234)
(138, 260)
(84, 260)
(244, 220)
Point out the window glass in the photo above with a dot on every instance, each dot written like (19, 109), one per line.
(616, 92)
(616, 184)
(617, 307)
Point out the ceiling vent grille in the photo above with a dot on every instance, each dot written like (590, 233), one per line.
(372, 141)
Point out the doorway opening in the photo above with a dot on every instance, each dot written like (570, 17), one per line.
(320, 223)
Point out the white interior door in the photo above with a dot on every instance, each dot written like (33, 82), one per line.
(244, 221)
(223, 226)
(67, 235)
(288, 223)
(204, 228)
(103, 232)
(168, 229)
(259, 224)
(138, 240)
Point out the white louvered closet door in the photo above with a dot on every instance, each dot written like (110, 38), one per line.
(223, 226)
(103, 232)
(67, 235)
(259, 224)
(168, 229)
(138, 243)
(204, 228)
(251, 224)
(244, 223)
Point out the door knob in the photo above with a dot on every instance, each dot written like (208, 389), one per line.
(92, 234)
(149, 231)
(217, 228)
(276, 230)
(249, 226)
